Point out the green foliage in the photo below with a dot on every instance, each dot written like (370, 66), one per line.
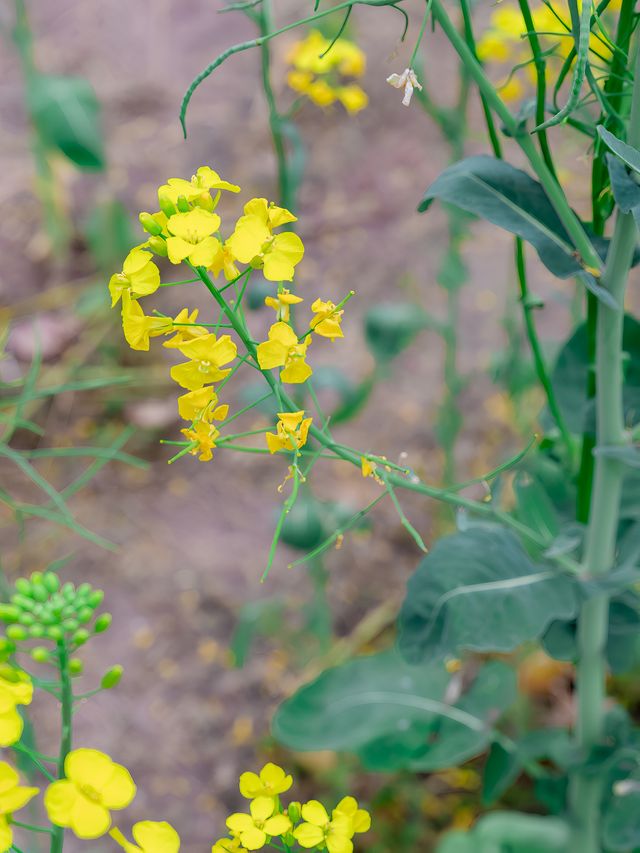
(479, 590)
(390, 327)
(621, 827)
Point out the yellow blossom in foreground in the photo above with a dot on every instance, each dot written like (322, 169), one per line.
(282, 303)
(284, 350)
(13, 796)
(151, 837)
(268, 212)
(139, 276)
(94, 785)
(253, 240)
(327, 320)
(360, 818)
(191, 237)
(292, 431)
(201, 404)
(184, 333)
(272, 779)
(206, 356)
(138, 328)
(319, 829)
(264, 822)
(205, 179)
(15, 689)
(203, 435)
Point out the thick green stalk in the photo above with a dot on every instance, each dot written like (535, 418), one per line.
(601, 538)
(66, 700)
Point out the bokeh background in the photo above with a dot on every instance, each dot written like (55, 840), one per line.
(191, 539)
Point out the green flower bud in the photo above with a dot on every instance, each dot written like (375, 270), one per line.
(23, 586)
(70, 625)
(22, 601)
(26, 619)
(205, 202)
(112, 677)
(17, 632)
(149, 224)
(84, 615)
(36, 631)
(80, 637)
(294, 811)
(76, 666)
(51, 582)
(166, 205)
(36, 579)
(183, 204)
(102, 623)
(8, 613)
(40, 654)
(40, 593)
(68, 592)
(6, 646)
(84, 590)
(95, 599)
(55, 633)
(158, 245)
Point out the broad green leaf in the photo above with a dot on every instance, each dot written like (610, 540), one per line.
(533, 505)
(510, 198)
(621, 829)
(390, 327)
(569, 377)
(67, 115)
(627, 153)
(479, 590)
(626, 191)
(500, 771)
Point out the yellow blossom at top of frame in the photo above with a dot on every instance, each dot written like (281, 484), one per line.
(272, 780)
(360, 818)
(93, 786)
(13, 796)
(291, 433)
(282, 302)
(184, 333)
(327, 320)
(283, 349)
(253, 241)
(203, 437)
(318, 829)
(207, 354)
(138, 327)
(150, 836)
(191, 237)
(204, 180)
(228, 845)
(15, 689)
(201, 404)
(139, 276)
(263, 822)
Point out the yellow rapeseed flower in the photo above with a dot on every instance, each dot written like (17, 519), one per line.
(283, 349)
(228, 845)
(291, 434)
(272, 779)
(94, 785)
(224, 261)
(150, 836)
(282, 302)
(139, 276)
(13, 797)
(352, 97)
(253, 240)
(185, 333)
(264, 822)
(138, 328)
(204, 180)
(206, 356)
(319, 68)
(191, 237)
(203, 436)
(201, 405)
(15, 689)
(360, 818)
(319, 829)
(327, 320)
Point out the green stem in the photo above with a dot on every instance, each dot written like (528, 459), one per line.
(66, 694)
(586, 788)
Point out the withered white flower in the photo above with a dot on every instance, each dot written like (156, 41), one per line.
(406, 80)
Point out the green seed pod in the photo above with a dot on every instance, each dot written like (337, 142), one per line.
(183, 204)
(112, 677)
(166, 205)
(37, 630)
(95, 599)
(55, 633)
(40, 654)
(149, 224)
(23, 586)
(76, 666)
(70, 625)
(51, 582)
(102, 623)
(17, 632)
(26, 619)
(9, 613)
(80, 637)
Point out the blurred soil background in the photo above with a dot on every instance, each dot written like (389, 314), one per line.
(192, 538)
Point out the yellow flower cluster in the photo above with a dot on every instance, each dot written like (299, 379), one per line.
(186, 229)
(319, 70)
(504, 42)
(308, 824)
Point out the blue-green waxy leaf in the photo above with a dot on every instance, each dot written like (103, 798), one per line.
(67, 115)
(394, 715)
(479, 590)
(629, 155)
(513, 200)
(621, 829)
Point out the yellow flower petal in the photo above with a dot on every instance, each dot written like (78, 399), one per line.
(314, 812)
(6, 835)
(119, 790)
(271, 354)
(261, 808)
(11, 726)
(88, 818)
(59, 800)
(88, 767)
(250, 785)
(308, 835)
(279, 824)
(156, 837)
